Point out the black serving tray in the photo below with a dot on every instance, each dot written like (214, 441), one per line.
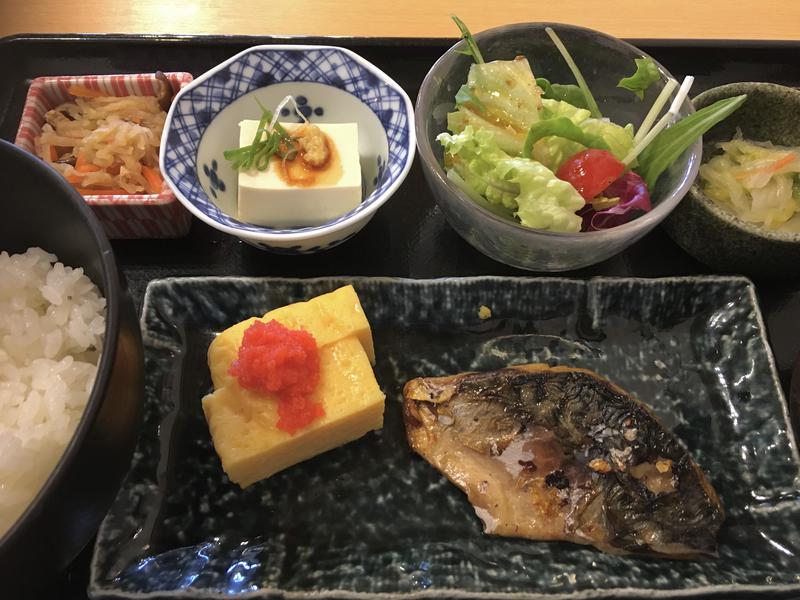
(409, 236)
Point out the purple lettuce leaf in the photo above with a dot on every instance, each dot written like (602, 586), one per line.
(633, 198)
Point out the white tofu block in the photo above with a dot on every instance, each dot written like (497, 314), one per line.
(265, 197)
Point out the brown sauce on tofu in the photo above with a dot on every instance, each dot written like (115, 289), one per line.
(317, 162)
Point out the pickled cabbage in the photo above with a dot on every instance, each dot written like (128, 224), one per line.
(756, 181)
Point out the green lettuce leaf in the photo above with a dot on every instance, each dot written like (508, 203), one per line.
(464, 96)
(474, 156)
(553, 151)
(559, 108)
(508, 92)
(498, 209)
(545, 202)
(569, 93)
(564, 128)
(619, 140)
(502, 97)
(521, 186)
(554, 141)
(508, 140)
(646, 75)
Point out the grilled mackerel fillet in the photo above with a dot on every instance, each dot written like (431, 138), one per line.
(564, 454)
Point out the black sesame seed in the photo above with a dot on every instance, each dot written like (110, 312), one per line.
(319, 111)
(557, 479)
(284, 112)
(221, 185)
(206, 170)
(214, 165)
(301, 100)
(305, 110)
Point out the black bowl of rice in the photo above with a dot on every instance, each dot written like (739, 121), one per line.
(71, 374)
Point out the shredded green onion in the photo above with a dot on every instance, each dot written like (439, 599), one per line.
(662, 99)
(267, 142)
(662, 123)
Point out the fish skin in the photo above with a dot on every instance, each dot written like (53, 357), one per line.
(560, 453)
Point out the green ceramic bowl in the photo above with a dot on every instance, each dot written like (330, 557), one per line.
(715, 236)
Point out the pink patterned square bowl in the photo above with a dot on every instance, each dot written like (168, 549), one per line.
(123, 216)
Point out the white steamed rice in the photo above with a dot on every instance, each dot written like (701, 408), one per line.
(52, 320)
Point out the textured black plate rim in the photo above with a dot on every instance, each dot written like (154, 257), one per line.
(98, 590)
(726, 591)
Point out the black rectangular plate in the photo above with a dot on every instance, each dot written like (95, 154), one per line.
(371, 517)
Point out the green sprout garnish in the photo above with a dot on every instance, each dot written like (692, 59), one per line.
(472, 47)
(266, 144)
(576, 72)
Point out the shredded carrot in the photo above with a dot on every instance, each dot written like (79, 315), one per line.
(788, 159)
(97, 191)
(82, 166)
(770, 168)
(154, 179)
(74, 178)
(53, 153)
(83, 92)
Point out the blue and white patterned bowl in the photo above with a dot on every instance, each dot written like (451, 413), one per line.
(331, 85)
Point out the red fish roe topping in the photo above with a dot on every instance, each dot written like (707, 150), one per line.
(274, 359)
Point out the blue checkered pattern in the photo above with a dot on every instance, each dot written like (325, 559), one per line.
(260, 68)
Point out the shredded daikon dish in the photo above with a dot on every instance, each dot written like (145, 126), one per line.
(105, 144)
(756, 181)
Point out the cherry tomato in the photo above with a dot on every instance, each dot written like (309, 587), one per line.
(591, 171)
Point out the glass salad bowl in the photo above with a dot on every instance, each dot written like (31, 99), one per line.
(603, 60)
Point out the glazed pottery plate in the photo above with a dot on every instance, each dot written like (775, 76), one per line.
(371, 517)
